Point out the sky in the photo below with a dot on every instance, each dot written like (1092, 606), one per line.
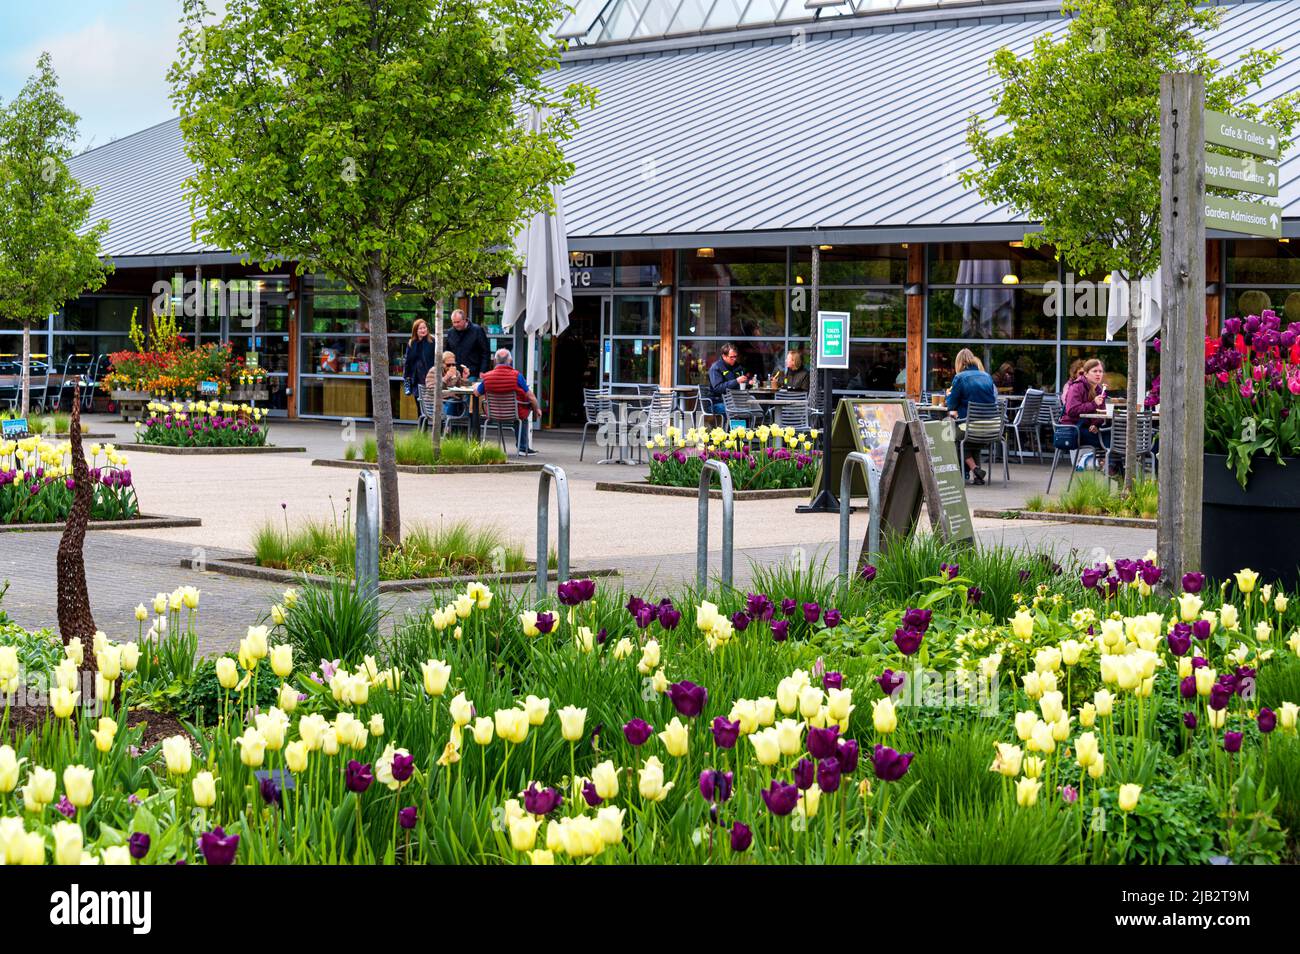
(111, 57)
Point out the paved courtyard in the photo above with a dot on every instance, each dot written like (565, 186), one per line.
(649, 540)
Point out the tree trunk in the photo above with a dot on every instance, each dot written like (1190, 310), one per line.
(1132, 397)
(27, 366)
(382, 399)
(435, 422)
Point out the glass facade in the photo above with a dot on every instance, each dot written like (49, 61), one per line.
(1261, 274)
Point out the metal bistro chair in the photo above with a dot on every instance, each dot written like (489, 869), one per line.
(1065, 437)
(986, 425)
(742, 406)
(502, 413)
(97, 371)
(658, 415)
(1146, 439)
(690, 404)
(1026, 423)
(793, 415)
(75, 368)
(598, 409)
(427, 407)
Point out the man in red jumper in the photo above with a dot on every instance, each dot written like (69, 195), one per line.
(504, 379)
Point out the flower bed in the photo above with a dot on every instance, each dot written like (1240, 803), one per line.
(36, 484)
(991, 712)
(762, 458)
(202, 424)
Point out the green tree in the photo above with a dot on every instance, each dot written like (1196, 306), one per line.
(49, 250)
(378, 141)
(1081, 148)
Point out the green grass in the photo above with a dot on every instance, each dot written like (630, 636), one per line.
(449, 549)
(1092, 495)
(57, 423)
(416, 449)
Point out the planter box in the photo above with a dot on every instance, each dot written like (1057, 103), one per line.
(142, 522)
(1047, 516)
(245, 567)
(246, 395)
(645, 487)
(165, 449)
(131, 404)
(507, 468)
(1258, 527)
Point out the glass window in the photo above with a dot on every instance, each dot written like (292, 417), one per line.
(1001, 312)
(757, 357)
(1263, 261)
(1015, 368)
(103, 314)
(1114, 358)
(733, 266)
(853, 265)
(349, 397)
(636, 315)
(269, 337)
(75, 345)
(638, 269)
(634, 360)
(988, 263)
(1253, 300)
(588, 270)
(732, 314)
(874, 314)
(874, 366)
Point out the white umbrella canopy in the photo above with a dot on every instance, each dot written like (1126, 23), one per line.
(1148, 322)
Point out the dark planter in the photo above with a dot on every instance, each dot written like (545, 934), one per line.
(1258, 527)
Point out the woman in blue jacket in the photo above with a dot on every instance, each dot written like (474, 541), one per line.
(971, 384)
(420, 357)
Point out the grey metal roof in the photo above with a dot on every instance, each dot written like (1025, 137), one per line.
(846, 133)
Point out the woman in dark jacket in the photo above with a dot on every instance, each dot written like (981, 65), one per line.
(971, 384)
(420, 357)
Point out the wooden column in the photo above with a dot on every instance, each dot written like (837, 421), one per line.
(667, 345)
(295, 309)
(915, 320)
(1213, 275)
(1182, 354)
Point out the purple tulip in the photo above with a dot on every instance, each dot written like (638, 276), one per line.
(822, 742)
(545, 622)
(740, 621)
(949, 571)
(908, 641)
(741, 836)
(1089, 577)
(917, 619)
(716, 786)
(1267, 720)
(541, 801)
(1025, 574)
(1193, 582)
(1198, 662)
(637, 731)
(1189, 720)
(1126, 570)
(575, 592)
(403, 766)
(833, 680)
(271, 793)
(890, 765)
(1180, 640)
(1232, 741)
(828, 774)
(358, 776)
(1201, 629)
(634, 604)
(973, 595)
(805, 772)
(138, 845)
(810, 612)
(406, 817)
(217, 847)
(688, 698)
(645, 615)
(780, 630)
(589, 794)
(1187, 687)
(831, 618)
(890, 682)
(788, 606)
(1150, 574)
(758, 606)
(669, 616)
(780, 798)
(65, 807)
(867, 573)
(847, 753)
(1219, 696)
(601, 635)
(725, 733)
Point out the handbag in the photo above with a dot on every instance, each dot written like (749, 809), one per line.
(1065, 437)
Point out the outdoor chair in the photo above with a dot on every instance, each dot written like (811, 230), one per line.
(502, 412)
(654, 419)
(1065, 438)
(427, 407)
(1025, 423)
(690, 404)
(793, 415)
(1146, 440)
(741, 406)
(986, 426)
(75, 369)
(97, 370)
(598, 409)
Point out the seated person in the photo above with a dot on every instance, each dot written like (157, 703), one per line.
(971, 384)
(504, 379)
(1086, 394)
(725, 375)
(452, 377)
(793, 377)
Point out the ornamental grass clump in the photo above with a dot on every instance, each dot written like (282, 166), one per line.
(416, 449)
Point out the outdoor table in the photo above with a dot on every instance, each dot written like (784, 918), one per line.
(471, 397)
(623, 400)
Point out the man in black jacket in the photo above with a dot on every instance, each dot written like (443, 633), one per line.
(468, 342)
(725, 375)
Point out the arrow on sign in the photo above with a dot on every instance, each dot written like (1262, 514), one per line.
(1272, 220)
(1272, 142)
(1272, 179)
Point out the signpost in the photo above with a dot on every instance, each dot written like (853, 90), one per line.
(1248, 218)
(13, 428)
(1241, 174)
(1242, 134)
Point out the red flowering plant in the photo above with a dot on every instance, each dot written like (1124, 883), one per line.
(1252, 392)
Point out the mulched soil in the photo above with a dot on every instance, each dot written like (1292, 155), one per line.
(158, 726)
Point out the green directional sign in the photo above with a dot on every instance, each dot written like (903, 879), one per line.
(1254, 138)
(832, 339)
(1243, 175)
(1248, 218)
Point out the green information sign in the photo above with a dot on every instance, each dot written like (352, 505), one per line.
(1254, 138)
(1240, 174)
(832, 339)
(1248, 218)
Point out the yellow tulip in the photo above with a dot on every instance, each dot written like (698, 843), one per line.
(63, 702)
(660, 682)
(539, 856)
(651, 780)
(282, 660)
(278, 615)
(675, 738)
(1128, 793)
(1086, 749)
(1217, 718)
(377, 725)
(809, 800)
(572, 722)
(252, 748)
(839, 703)
(227, 672)
(1041, 738)
(1047, 659)
(1022, 625)
(204, 788)
(74, 651)
(528, 620)
(67, 843)
(1205, 678)
(10, 764)
(1104, 702)
(1008, 760)
(482, 730)
(1088, 715)
(287, 697)
(523, 833)
(257, 646)
(1051, 706)
(177, 754)
(272, 726)
(745, 712)
(536, 709)
(765, 706)
(623, 648)
(1027, 792)
(1228, 617)
(1286, 715)
(1025, 722)
(789, 736)
(1246, 580)
(462, 710)
(436, 675)
(103, 742)
(384, 768)
(295, 755)
(511, 725)
(79, 784)
(767, 746)
(1189, 607)
(810, 701)
(1098, 767)
(605, 777)
(609, 824)
(883, 716)
(1071, 649)
(1033, 685)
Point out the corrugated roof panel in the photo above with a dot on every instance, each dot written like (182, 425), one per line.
(846, 131)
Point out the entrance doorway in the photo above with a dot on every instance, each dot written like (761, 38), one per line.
(574, 361)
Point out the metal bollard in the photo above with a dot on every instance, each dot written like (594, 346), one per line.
(367, 564)
(702, 533)
(552, 472)
(873, 496)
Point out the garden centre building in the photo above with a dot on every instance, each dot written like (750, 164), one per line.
(731, 138)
